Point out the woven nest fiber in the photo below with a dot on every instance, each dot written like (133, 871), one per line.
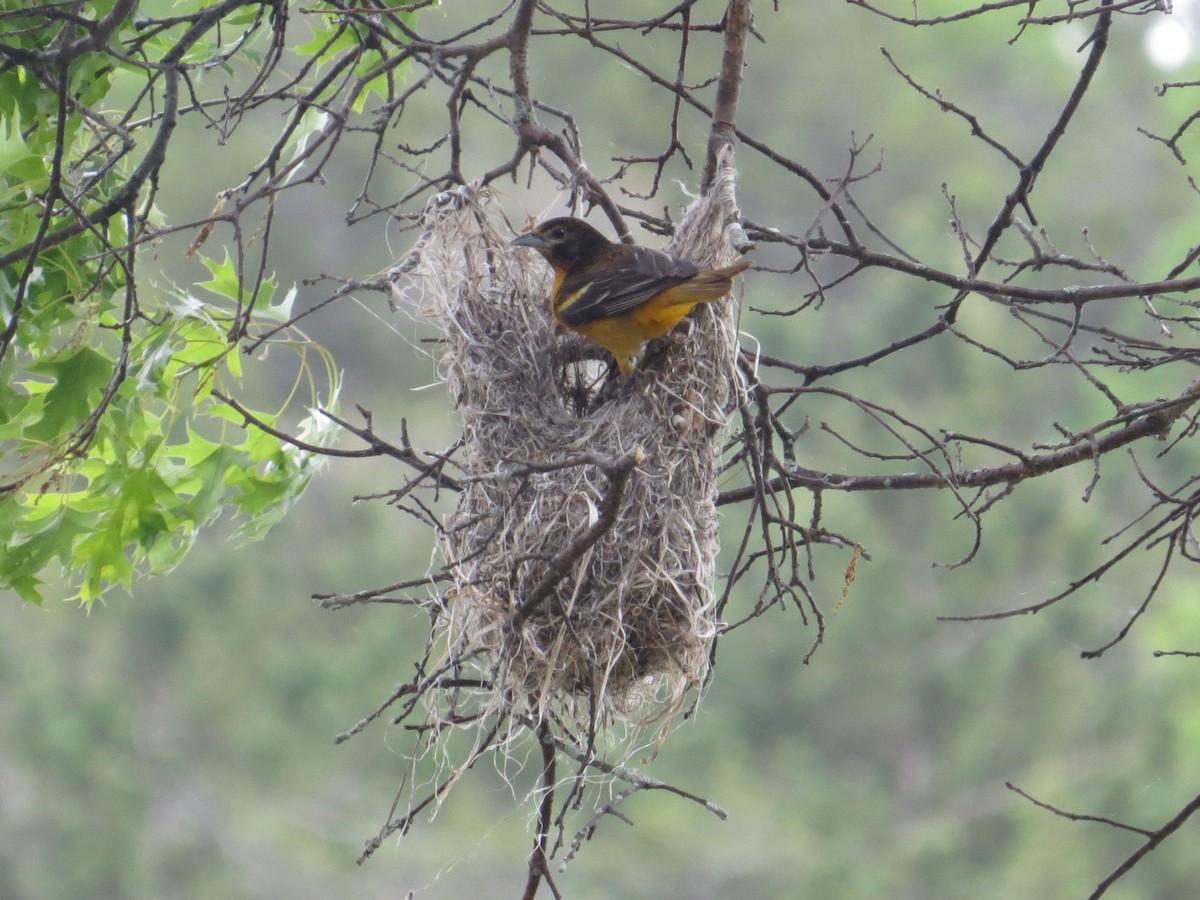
(625, 631)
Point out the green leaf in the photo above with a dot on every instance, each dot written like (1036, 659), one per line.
(13, 149)
(224, 282)
(78, 377)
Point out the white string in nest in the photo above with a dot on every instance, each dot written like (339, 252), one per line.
(626, 633)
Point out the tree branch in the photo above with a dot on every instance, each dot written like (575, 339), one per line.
(723, 131)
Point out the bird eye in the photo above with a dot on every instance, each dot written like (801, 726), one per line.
(557, 234)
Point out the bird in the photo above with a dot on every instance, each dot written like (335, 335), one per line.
(620, 295)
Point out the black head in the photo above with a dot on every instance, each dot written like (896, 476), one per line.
(564, 240)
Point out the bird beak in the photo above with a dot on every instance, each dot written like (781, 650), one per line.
(536, 241)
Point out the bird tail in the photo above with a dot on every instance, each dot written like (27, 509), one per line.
(729, 272)
(708, 286)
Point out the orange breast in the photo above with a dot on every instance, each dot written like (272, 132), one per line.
(658, 317)
(621, 336)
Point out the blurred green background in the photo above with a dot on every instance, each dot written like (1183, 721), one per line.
(179, 743)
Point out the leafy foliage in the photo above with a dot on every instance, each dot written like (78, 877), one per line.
(117, 444)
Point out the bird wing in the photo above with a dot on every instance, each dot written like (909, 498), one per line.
(617, 288)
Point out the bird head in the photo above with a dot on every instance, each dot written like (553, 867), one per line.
(563, 240)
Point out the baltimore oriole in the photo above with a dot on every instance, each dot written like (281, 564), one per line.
(620, 295)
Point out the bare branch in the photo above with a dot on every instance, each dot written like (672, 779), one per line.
(721, 135)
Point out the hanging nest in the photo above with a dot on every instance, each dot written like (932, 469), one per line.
(582, 548)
